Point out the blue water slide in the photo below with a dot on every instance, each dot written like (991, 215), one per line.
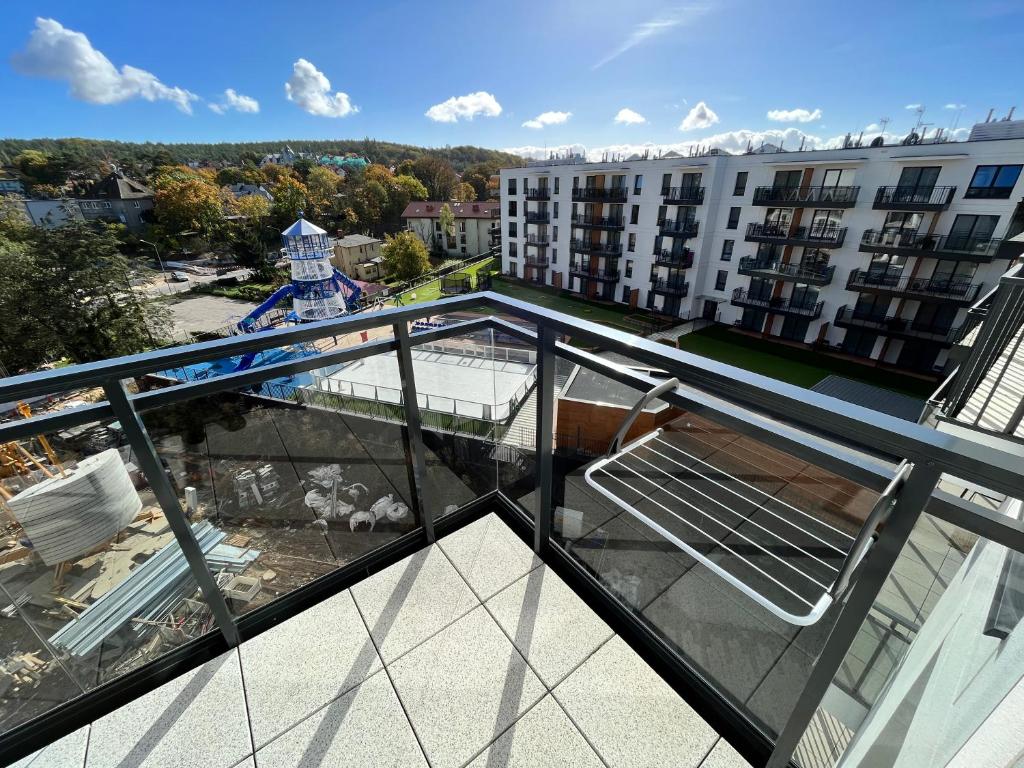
(354, 291)
(246, 323)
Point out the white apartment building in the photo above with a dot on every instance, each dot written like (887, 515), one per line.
(872, 251)
(475, 226)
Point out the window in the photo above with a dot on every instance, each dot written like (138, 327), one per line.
(511, 186)
(462, 239)
(740, 187)
(554, 234)
(625, 294)
(734, 218)
(512, 250)
(136, 204)
(629, 268)
(837, 177)
(634, 214)
(554, 255)
(512, 208)
(556, 187)
(638, 183)
(526, 185)
(575, 182)
(554, 209)
(513, 229)
(968, 230)
(993, 181)
(787, 179)
(463, 249)
(727, 246)
(666, 183)
(631, 246)
(723, 275)
(919, 178)
(462, 226)
(437, 226)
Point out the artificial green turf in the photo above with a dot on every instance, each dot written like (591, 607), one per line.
(552, 298)
(802, 367)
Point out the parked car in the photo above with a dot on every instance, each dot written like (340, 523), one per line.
(178, 276)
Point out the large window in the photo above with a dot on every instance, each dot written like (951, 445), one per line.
(734, 218)
(720, 279)
(631, 242)
(556, 187)
(511, 186)
(727, 246)
(634, 214)
(629, 268)
(513, 229)
(666, 183)
(512, 210)
(919, 179)
(638, 183)
(740, 187)
(993, 181)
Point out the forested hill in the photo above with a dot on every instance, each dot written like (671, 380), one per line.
(149, 154)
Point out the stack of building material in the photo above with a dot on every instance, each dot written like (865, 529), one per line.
(64, 517)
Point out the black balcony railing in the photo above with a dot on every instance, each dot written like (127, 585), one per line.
(583, 269)
(687, 195)
(944, 288)
(678, 228)
(537, 240)
(814, 236)
(538, 193)
(538, 261)
(910, 198)
(599, 195)
(538, 217)
(670, 286)
(892, 325)
(682, 259)
(774, 269)
(597, 249)
(803, 308)
(916, 243)
(800, 197)
(598, 222)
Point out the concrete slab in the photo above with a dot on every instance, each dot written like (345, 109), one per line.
(630, 715)
(199, 313)
(552, 627)
(299, 666)
(488, 555)
(724, 756)
(67, 752)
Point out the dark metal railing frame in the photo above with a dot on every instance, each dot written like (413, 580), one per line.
(829, 432)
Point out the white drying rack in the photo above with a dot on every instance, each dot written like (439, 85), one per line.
(852, 549)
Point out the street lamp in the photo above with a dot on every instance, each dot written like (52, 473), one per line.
(159, 261)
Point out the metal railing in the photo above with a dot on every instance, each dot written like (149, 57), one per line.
(830, 236)
(853, 441)
(678, 227)
(893, 325)
(914, 198)
(538, 193)
(598, 195)
(537, 240)
(596, 249)
(924, 287)
(686, 195)
(598, 222)
(670, 286)
(582, 269)
(800, 196)
(914, 240)
(682, 259)
(787, 306)
(819, 275)
(538, 217)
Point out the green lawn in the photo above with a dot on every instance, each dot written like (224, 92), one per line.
(552, 298)
(802, 367)
(432, 291)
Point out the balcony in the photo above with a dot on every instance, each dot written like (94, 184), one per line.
(897, 327)
(682, 259)
(599, 195)
(808, 237)
(598, 222)
(926, 289)
(777, 306)
(538, 217)
(538, 193)
(914, 243)
(349, 554)
(582, 270)
(689, 195)
(538, 241)
(670, 287)
(804, 197)
(537, 261)
(596, 249)
(913, 198)
(777, 270)
(679, 229)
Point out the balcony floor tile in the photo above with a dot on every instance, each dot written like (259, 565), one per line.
(198, 718)
(286, 677)
(63, 753)
(548, 623)
(489, 555)
(463, 687)
(724, 756)
(630, 715)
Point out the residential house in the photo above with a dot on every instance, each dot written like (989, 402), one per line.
(245, 190)
(473, 234)
(358, 256)
(119, 199)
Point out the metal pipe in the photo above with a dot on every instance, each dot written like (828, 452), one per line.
(545, 437)
(416, 461)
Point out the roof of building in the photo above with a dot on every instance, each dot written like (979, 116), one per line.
(876, 398)
(303, 228)
(116, 186)
(350, 241)
(431, 209)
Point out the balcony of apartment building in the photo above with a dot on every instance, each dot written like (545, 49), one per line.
(599, 194)
(592, 270)
(443, 535)
(678, 228)
(915, 243)
(537, 260)
(675, 258)
(786, 234)
(593, 248)
(686, 195)
(777, 305)
(774, 269)
(583, 221)
(896, 327)
(538, 217)
(538, 193)
(911, 198)
(945, 289)
(538, 240)
(670, 286)
(804, 197)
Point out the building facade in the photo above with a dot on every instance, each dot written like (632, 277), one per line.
(475, 227)
(358, 256)
(872, 251)
(117, 198)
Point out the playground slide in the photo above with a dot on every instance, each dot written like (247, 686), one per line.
(354, 291)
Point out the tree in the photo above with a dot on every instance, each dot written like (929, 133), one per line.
(290, 197)
(251, 235)
(275, 174)
(188, 203)
(437, 176)
(405, 256)
(323, 186)
(412, 187)
(464, 193)
(302, 167)
(447, 219)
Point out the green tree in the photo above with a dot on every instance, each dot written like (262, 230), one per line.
(464, 193)
(447, 219)
(405, 256)
(188, 202)
(437, 176)
(302, 167)
(290, 197)
(322, 185)
(251, 236)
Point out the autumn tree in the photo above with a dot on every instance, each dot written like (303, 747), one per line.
(437, 176)
(290, 197)
(464, 193)
(251, 235)
(188, 200)
(275, 174)
(447, 219)
(405, 256)
(322, 185)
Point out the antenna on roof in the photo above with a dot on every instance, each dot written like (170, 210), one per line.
(802, 140)
(860, 138)
(988, 118)
(1009, 115)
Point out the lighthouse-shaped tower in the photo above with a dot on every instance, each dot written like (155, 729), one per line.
(317, 286)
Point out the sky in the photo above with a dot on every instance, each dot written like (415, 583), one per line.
(531, 77)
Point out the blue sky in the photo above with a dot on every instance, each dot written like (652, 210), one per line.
(704, 72)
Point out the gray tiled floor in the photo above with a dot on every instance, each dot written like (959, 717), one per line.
(469, 653)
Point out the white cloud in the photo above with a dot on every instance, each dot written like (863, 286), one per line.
(58, 53)
(311, 90)
(701, 116)
(794, 115)
(627, 116)
(236, 101)
(547, 118)
(955, 106)
(913, 106)
(466, 107)
(652, 28)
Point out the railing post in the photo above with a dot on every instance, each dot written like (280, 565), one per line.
(153, 469)
(544, 435)
(415, 454)
(909, 503)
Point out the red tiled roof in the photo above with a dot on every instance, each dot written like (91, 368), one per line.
(428, 209)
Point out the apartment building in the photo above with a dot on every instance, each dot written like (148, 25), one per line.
(474, 232)
(874, 251)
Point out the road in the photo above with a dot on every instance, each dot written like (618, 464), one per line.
(160, 288)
